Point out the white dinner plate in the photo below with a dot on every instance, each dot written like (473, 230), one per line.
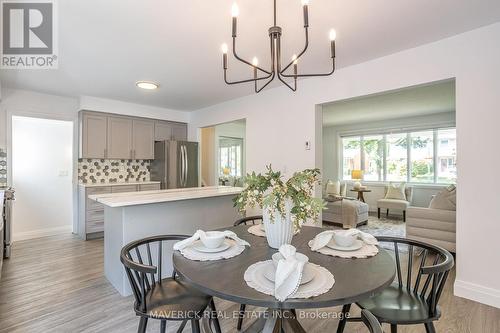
(355, 246)
(307, 274)
(198, 246)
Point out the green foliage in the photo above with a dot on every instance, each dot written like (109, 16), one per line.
(270, 191)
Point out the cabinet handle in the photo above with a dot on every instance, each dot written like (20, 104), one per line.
(131, 154)
(105, 153)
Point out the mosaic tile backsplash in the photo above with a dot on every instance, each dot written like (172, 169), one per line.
(3, 168)
(94, 171)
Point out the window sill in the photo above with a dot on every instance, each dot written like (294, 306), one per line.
(414, 185)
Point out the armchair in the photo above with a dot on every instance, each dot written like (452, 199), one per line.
(396, 204)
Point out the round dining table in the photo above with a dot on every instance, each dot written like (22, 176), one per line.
(355, 279)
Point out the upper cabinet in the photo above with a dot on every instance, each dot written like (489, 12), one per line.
(122, 137)
(143, 137)
(179, 132)
(165, 130)
(93, 135)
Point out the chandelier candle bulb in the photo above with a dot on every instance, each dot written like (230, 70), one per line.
(333, 35)
(235, 11)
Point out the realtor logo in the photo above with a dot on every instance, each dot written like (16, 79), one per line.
(28, 34)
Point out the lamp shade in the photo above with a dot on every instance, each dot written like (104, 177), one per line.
(357, 174)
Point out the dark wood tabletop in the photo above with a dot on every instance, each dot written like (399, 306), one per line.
(355, 279)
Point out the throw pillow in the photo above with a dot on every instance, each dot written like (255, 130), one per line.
(343, 189)
(333, 187)
(395, 191)
(445, 199)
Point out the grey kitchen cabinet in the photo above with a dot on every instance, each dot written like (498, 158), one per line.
(163, 131)
(124, 188)
(149, 187)
(179, 132)
(91, 213)
(110, 136)
(143, 137)
(93, 135)
(119, 138)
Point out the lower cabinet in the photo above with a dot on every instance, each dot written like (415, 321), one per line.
(91, 213)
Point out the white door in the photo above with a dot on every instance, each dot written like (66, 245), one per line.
(42, 151)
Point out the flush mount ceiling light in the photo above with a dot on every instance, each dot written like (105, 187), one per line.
(268, 75)
(147, 85)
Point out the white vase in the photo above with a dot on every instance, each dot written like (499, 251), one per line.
(280, 229)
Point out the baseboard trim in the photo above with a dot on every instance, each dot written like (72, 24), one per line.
(475, 292)
(20, 236)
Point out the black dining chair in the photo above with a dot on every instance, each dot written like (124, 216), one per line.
(409, 301)
(167, 299)
(246, 221)
(371, 322)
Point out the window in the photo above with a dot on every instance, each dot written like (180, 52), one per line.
(397, 157)
(373, 161)
(422, 157)
(351, 155)
(446, 156)
(418, 157)
(230, 156)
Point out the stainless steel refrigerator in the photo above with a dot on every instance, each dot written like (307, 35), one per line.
(175, 164)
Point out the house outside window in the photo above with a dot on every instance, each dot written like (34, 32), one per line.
(424, 156)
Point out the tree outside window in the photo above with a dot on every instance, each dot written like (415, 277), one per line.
(429, 155)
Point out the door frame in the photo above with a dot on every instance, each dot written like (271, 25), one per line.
(73, 118)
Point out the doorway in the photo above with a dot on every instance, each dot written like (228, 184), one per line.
(42, 173)
(223, 154)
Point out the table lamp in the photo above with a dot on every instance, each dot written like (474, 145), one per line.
(358, 176)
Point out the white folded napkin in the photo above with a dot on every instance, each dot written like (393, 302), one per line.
(288, 273)
(325, 237)
(197, 235)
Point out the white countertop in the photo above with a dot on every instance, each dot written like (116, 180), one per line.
(151, 197)
(116, 184)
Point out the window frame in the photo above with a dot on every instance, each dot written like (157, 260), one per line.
(384, 134)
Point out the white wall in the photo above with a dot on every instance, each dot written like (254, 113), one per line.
(280, 121)
(42, 176)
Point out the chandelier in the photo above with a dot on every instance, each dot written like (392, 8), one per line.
(262, 77)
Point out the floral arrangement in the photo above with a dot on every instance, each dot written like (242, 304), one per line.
(270, 191)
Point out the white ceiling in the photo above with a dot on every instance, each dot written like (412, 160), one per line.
(413, 101)
(106, 46)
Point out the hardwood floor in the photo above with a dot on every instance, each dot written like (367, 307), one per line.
(56, 284)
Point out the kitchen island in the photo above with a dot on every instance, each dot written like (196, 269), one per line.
(136, 215)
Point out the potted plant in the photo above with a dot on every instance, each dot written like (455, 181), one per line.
(286, 204)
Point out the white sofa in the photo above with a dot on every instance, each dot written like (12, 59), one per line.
(347, 212)
(434, 226)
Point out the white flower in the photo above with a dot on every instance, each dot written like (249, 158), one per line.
(255, 192)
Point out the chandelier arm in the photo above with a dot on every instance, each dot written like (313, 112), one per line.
(301, 53)
(278, 61)
(245, 81)
(273, 58)
(310, 75)
(258, 90)
(294, 88)
(244, 61)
